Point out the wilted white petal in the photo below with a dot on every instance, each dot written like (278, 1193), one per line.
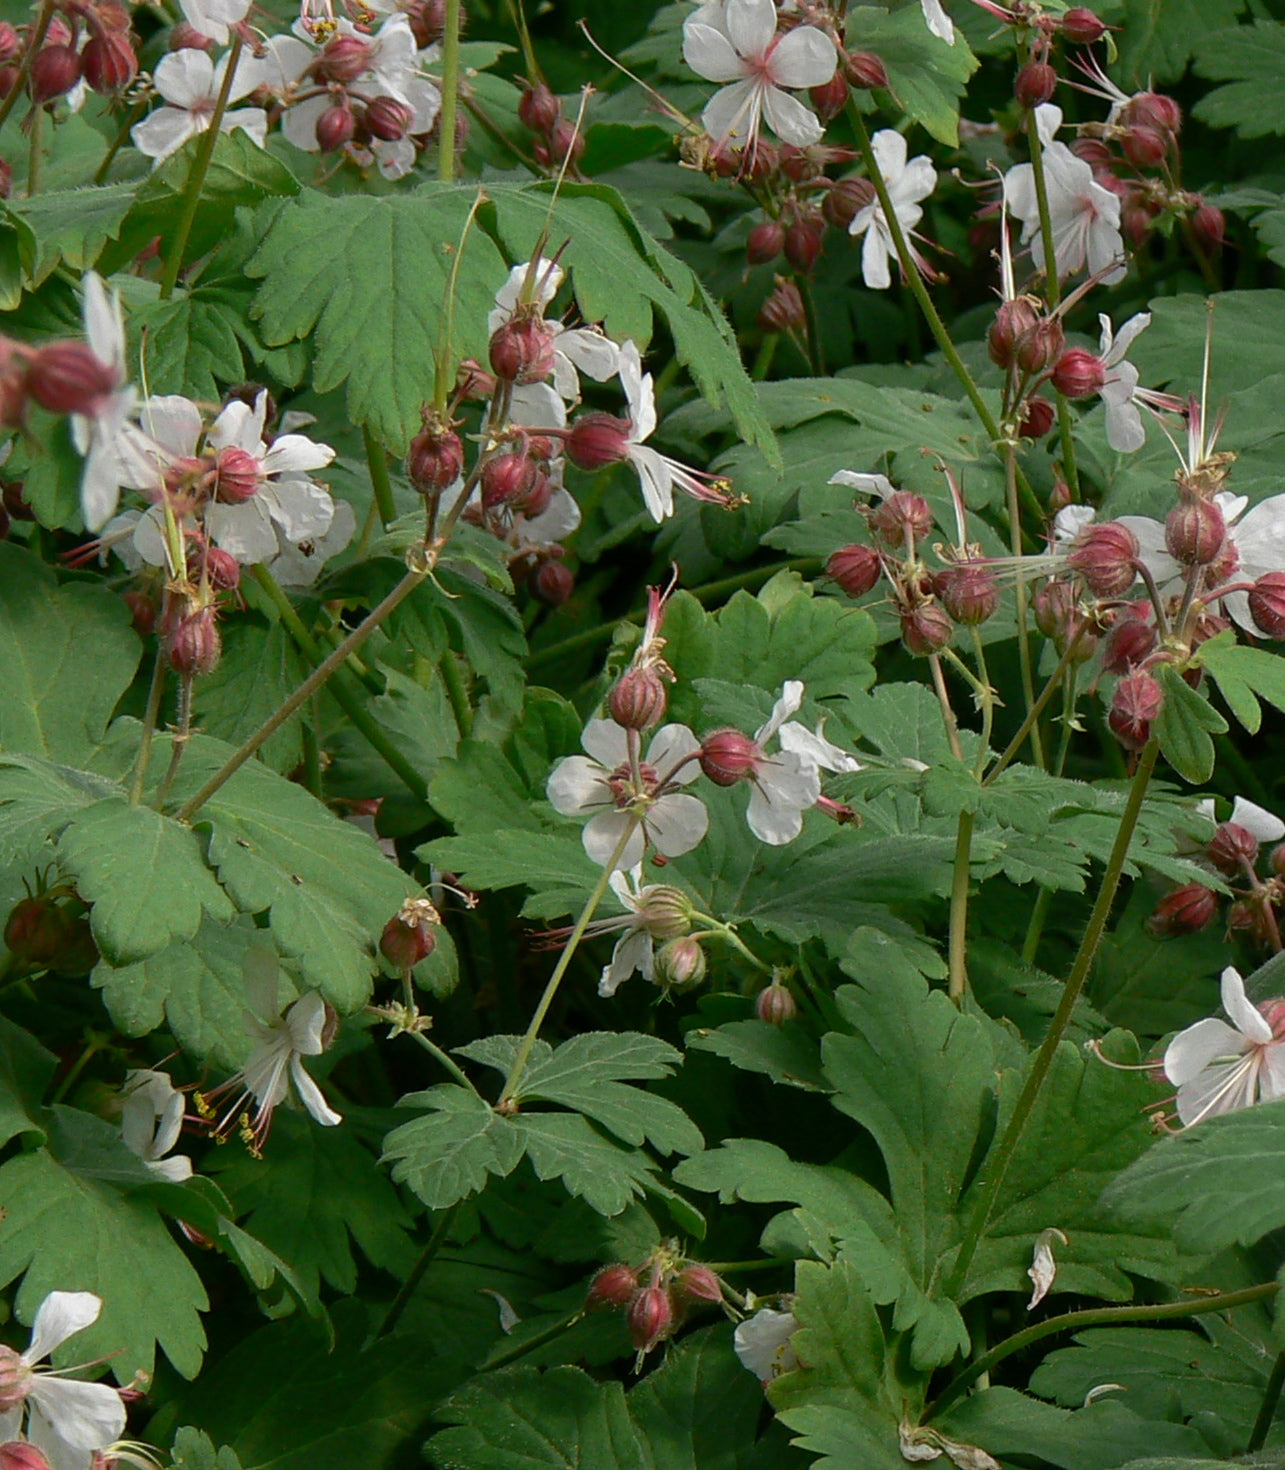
(1043, 1270)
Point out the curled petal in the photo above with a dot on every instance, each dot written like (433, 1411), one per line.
(1244, 1015)
(61, 1315)
(311, 1097)
(1264, 825)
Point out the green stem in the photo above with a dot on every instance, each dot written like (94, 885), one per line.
(986, 694)
(150, 716)
(36, 152)
(310, 685)
(529, 59)
(196, 178)
(958, 982)
(1267, 1409)
(554, 1330)
(450, 93)
(19, 87)
(447, 1061)
(1023, 631)
(457, 693)
(815, 359)
(312, 759)
(118, 142)
(1092, 1317)
(513, 1080)
(178, 742)
(1035, 928)
(718, 930)
(1037, 709)
(763, 359)
(1002, 1154)
(377, 464)
(407, 1289)
(93, 1046)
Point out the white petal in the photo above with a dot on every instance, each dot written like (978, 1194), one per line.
(591, 352)
(311, 1097)
(803, 57)
(876, 254)
(677, 823)
(299, 566)
(302, 508)
(939, 23)
(1243, 1014)
(709, 53)
(104, 326)
(785, 788)
(577, 785)
(1048, 119)
(602, 835)
(638, 392)
(763, 1343)
(815, 749)
(791, 697)
(537, 406)
(61, 1315)
(264, 1073)
(733, 112)
(164, 131)
(751, 24)
(245, 530)
(669, 745)
(252, 121)
(1127, 335)
(631, 953)
(607, 742)
(789, 119)
(1218, 1089)
(299, 122)
(890, 153)
(173, 1170)
(1264, 825)
(85, 1416)
(554, 523)
(305, 1022)
(185, 77)
(292, 452)
(878, 485)
(1199, 1047)
(655, 481)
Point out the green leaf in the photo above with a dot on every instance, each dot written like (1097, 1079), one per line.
(448, 1153)
(51, 469)
(260, 667)
(1241, 673)
(1248, 58)
(1158, 37)
(554, 865)
(787, 1054)
(925, 76)
(1184, 725)
(144, 876)
(26, 1069)
(71, 226)
(52, 634)
(567, 1147)
(194, 1450)
(37, 800)
(193, 342)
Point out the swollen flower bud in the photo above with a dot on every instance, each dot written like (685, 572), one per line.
(855, 568)
(699, 1284)
(343, 59)
(903, 516)
(1232, 849)
(1079, 374)
(1209, 224)
(539, 108)
(766, 241)
(803, 242)
(1135, 705)
(10, 42)
(613, 1286)
(221, 569)
(195, 645)
(865, 70)
(1195, 530)
(238, 475)
(1082, 27)
(1038, 416)
(783, 310)
(1184, 911)
(553, 583)
(680, 963)
(1036, 83)
(1267, 604)
(68, 377)
(1053, 607)
(387, 119)
(335, 127)
(1145, 147)
(597, 440)
(728, 756)
(650, 1318)
(35, 931)
(522, 350)
(505, 479)
(1014, 320)
(968, 592)
(564, 143)
(846, 200)
(664, 911)
(638, 700)
(1132, 641)
(54, 72)
(435, 461)
(830, 98)
(109, 62)
(927, 629)
(19, 1455)
(1152, 110)
(1106, 556)
(410, 935)
(775, 1005)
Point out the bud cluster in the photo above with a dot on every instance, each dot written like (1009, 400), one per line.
(559, 142)
(1257, 901)
(85, 41)
(657, 1295)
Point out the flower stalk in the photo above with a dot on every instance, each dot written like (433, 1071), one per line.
(450, 93)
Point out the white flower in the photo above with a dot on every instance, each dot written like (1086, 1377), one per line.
(741, 46)
(765, 1343)
(102, 438)
(907, 183)
(604, 783)
(67, 1419)
(299, 563)
(265, 1079)
(1085, 217)
(151, 1121)
(190, 83)
(1067, 525)
(1120, 393)
(1256, 820)
(879, 485)
(575, 349)
(786, 785)
(1218, 1068)
(939, 23)
(213, 17)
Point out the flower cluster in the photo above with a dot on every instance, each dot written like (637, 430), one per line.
(657, 1295)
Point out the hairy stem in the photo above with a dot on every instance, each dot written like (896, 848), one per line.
(1036, 709)
(19, 85)
(377, 464)
(182, 734)
(958, 983)
(151, 714)
(450, 93)
(1023, 631)
(1267, 1409)
(36, 151)
(440, 1056)
(407, 1289)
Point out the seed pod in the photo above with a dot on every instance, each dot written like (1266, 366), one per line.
(1079, 374)
(69, 377)
(387, 119)
(522, 350)
(775, 1005)
(803, 242)
(728, 756)
(927, 629)
(855, 568)
(195, 646)
(1267, 604)
(766, 242)
(864, 70)
(538, 108)
(1106, 557)
(405, 944)
(1137, 701)
(846, 200)
(1036, 83)
(1082, 27)
(650, 1318)
(1232, 848)
(613, 1286)
(1186, 910)
(54, 72)
(968, 592)
(830, 98)
(435, 460)
(1195, 531)
(109, 62)
(1038, 417)
(902, 515)
(638, 699)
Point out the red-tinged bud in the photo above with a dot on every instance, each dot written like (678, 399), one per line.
(6, 176)
(680, 963)
(1053, 608)
(927, 629)
(540, 447)
(1145, 147)
(863, 69)
(196, 646)
(37, 928)
(435, 460)
(699, 1284)
(222, 569)
(142, 612)
(798, 164)
(522, 350)
(664, 911)
(766, 242)
(1186, 910)
(506, 479)
(855, 568)
(1233, 849)
(343, 59)
(564, 144)
(846, 200)
(1082, 27)
(1036, 83)
(1135, 705)
(474, 383)
(1209, 224)
(1037, 350)
(1137, 221)
(58, 32)
(728, 756)
(113, 15)
(639, 699)
(78, 954)
(407, 939)
(903, 516)
(830, 98)
(109, 62)
(428, 21)
(18, 1455)
(1131, 642)
(387, 119)
(553, 583)
(650, 1317)
(803, 242)
(10, 76)
(1038, 417)
(775, 1005)
(1152, 110)
(1014, 321)
(54, 72)
(1059, 496)
(1106, 556)
(238, 475)
(613, 1286)
(968, 592)
(68, 377)
(1208, 625)
(783, 310)
(185, 37)
(10, 42)
(535, 500)
(760, 161)
(1267, 604)
(1195, 531)
(538, 108)
(1079, 374)
(1095, 153)
(597, 440)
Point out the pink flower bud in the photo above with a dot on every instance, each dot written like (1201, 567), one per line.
(538, 108)
(1079, 374)
(863, 69)
(35, 931)
(553, 583)
(1095, 153)
(343, 59)
(783, 310)
(803, 242)
(830, 98)
(405, 943)
(1014, 320)
(1132, 641)
(109, 62)
(435, 461)
(775, 1005)
(680, 963)
(699, 1284)
(1267, 604)
(238, 475)
(728, 756)
(387, 119)
(846, 200)
(855, 568)
(535, 499)
(613, 1286)
(1106, 557)
(185, 37)
(565, 144)
(766, 242)
(650, 1318)
(665, 911)
(638, 700)
(222, 569)
(1152, 110)
(142, 612)
(428, 21)
(10, 42)
(54, 72)
(473, 382)
(1209, 224)
(904, 515)
(1232, 847)
(58, 32)
(1036, 83)
(1081, 26)
(1186, 910)
(195, 646)
(927, 629)
(1135, 705)
(336, 127)
(1195, 530)
(505, 479)
(1038, 417)
(1053, 608)
(18, 1455)
(67, 377)
(968, 592)
(597, 440)
(1145, 147)
(522, 350)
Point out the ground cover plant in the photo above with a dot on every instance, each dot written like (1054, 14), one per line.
(639, 735)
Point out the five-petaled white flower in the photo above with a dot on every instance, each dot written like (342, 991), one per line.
(190, 83)
(785, 785)
(621, 790)
(907, 183)
(67, 1420)
(150, 1122)
(1084, 216)
(1218, 1068)
(575, 349)
(736, 41)
(104, 437)
(765, 1343)
(1120, 393)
